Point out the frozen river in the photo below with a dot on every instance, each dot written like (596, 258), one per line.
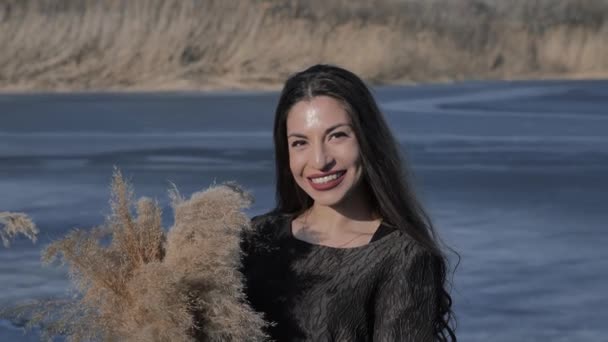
(514, 174)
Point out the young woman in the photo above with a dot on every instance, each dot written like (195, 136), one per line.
(348, 254)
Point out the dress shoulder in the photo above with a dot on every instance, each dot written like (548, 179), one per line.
(262, 221)
(265, 230)
(413, 258)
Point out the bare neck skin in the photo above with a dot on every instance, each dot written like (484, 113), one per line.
(350, 223)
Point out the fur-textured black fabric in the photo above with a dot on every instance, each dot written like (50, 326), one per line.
(382, 291)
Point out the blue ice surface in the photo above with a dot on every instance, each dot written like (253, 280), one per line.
(513, 174)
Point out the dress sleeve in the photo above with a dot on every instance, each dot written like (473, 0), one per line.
(247, 242)
(406, 301)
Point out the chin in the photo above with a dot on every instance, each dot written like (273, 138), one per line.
(329, 198)
(327, 201)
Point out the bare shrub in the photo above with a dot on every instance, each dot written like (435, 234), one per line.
(134, 282)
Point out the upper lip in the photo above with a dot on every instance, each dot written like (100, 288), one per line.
(319, 175)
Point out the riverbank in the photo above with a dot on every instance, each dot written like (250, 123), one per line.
(171, 45)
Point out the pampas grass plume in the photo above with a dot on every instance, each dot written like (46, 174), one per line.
(12, 224)
(148, 285)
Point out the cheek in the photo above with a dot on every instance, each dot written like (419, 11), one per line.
(295, 163)
(352, 154)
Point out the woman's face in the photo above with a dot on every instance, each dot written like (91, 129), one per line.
(323, 150)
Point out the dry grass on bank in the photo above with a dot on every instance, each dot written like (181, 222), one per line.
(134, 282)
(197, 44)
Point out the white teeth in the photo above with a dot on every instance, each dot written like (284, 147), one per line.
(326, 179)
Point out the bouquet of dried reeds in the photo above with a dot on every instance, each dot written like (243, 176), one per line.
(136, 282)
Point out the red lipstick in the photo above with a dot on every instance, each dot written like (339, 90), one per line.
(329, 184)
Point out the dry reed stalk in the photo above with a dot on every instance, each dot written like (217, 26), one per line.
(173, 44)
(148, 285)
(12, 224)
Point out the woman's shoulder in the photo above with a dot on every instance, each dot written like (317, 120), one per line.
(416, 263)
(265, 231)
(267, 220)
(271, 224)
(404, 249)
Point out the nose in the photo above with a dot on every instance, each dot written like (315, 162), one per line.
(322, 160)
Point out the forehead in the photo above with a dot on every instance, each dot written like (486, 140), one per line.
(318, 112)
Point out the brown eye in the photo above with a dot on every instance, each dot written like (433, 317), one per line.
(338, 135)
(297, 143)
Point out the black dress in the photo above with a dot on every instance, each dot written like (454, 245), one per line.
(382, 291)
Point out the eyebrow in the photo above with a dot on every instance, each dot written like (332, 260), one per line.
(299, 135)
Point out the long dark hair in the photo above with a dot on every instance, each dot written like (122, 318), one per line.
(383, 173)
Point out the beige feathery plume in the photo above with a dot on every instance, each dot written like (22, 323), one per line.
(134, 282)
(12, 224)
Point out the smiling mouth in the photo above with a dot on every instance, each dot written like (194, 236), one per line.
(327, 182)
(328, 178)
